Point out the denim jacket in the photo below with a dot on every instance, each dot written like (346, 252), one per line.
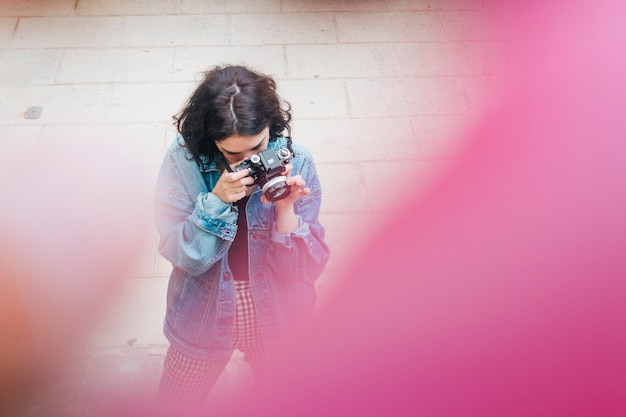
(196, 230)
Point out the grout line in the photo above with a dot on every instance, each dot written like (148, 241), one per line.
(120, 38)
(61, 57)
(468, 102)
(109, 99)
(441, 28)
(11, 39)
(286, 71)
(417, 137)
(348, 101)
(396, 61)
(170, 74)
(363, 187)
(228, 29)
(336, 28)
(155, 257)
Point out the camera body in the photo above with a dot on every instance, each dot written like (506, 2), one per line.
(266, 167)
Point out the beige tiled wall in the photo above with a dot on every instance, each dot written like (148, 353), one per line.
(381, 90)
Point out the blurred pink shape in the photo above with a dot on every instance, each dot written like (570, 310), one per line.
(502, 291)
(73, 220)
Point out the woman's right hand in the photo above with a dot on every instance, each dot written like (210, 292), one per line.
(233, 186)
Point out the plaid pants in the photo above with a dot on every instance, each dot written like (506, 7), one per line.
(190, 380)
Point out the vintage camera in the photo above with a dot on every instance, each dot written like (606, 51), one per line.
(266, 167)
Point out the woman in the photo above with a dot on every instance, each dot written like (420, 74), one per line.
(244, 267)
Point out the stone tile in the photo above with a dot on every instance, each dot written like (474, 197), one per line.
(470, 26)
(408, 5)
(146, 31)
(355, 140)
(190, 62)
(329, 61)
(20, 135)
(7, 25)
(163, 267)
(403, 135)
(24, 66)
(346, 233)
(124, 7)
(387, 188)
(67, 32)
(135, 315)
(328, 280)
(115, 65)
(19, 141)
(405, 5)
(312, 99)
(61, 104)
(466, 4)
(22, 8)
(150, 102)
(145, 263)
(117, 372)
(171, 131)
(132, 156)
(298, 6)
(446, 59)
(485, 92)
(388, 27)
(400, 97)
(341, 188)
(279, 29)
(442, 136)
(221, 6)
(141, 143)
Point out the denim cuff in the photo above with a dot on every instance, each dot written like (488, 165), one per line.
(215, 216)
(285, 239)
(213, 206)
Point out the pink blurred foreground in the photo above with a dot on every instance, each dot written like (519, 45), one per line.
(502, 292)
(72, 223)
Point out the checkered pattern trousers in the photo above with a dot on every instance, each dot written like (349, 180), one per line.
(186, 379)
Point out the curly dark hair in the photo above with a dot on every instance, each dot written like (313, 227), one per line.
(231, 100)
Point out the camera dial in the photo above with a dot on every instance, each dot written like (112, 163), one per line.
(284, 154)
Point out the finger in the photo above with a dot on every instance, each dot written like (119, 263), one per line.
(236, 196)
(288, 169)
(296, 181)
(240, 195)
(246, 181)
(236, 175)
(297, 194)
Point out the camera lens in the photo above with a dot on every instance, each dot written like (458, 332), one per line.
(276, 188)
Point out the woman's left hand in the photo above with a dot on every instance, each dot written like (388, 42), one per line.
(298, 190)
(286, 219)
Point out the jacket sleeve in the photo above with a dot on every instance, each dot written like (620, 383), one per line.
(196, 228)
(302, 254)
